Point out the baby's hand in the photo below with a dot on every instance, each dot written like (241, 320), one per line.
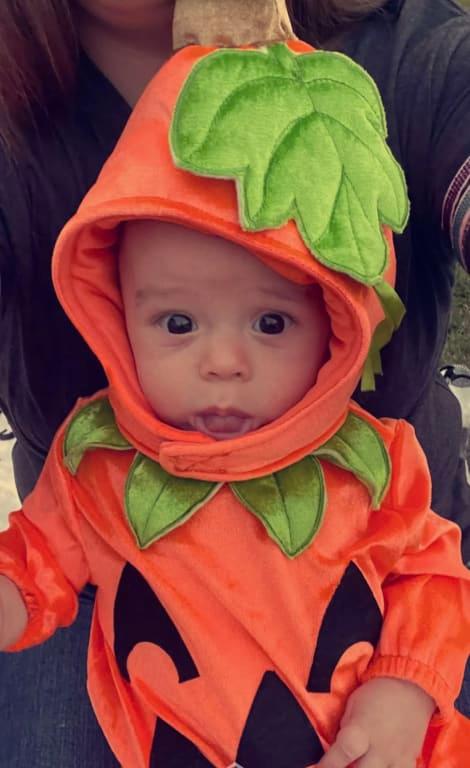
(384, 726)
(13, 614)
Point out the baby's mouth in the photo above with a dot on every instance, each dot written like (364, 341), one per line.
(223, 423)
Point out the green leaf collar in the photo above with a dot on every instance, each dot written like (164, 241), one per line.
(289, 503)
(94, 426)
(358, 448)
(157, 502)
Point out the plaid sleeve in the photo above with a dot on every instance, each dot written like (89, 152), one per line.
(456, 213)
(448, 171)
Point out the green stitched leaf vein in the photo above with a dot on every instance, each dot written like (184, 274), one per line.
(94, 426)
(303, 136)
(157, 502)
(339, 69)
(289, 503)
(358, 448)
(283, 501)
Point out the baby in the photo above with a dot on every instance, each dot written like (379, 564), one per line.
(227, 351)
(224, 354)
(273, 590)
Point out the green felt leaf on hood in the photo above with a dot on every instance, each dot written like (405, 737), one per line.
(157, 502)
(94, 426)
(304, 138)
(358, 448)
(289, 503)
(394, 311)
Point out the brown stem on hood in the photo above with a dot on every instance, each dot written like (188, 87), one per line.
(230, 23)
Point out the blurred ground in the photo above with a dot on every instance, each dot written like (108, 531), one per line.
(457, 349)
(8, 497)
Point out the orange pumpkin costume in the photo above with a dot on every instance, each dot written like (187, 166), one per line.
(209, 645)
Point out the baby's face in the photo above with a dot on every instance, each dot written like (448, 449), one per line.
(222, 344)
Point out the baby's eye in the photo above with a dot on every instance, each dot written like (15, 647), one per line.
(272, 323)
(178, 323)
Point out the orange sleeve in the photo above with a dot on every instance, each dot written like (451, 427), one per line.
(426, 631)
(41, 553)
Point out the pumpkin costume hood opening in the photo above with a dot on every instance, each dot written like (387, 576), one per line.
(141, 180)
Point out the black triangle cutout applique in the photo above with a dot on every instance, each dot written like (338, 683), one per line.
(278, 733)
(139, 617)
(352, 616)
(171, 749)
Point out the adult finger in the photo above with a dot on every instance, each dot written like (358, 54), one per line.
(351, 743)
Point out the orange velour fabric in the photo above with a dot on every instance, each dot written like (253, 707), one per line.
(212, 647)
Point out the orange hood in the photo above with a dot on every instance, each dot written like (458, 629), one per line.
(139, 181)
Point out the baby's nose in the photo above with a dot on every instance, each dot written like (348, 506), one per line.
(225, 358)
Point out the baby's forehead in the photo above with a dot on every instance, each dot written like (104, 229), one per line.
(176, 258)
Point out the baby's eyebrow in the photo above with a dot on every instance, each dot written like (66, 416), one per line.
(281, 295)
(153, 292)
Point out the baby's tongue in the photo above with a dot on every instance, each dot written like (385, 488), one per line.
(214, 423)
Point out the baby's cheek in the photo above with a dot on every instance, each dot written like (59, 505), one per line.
(152, 382)
(170, 393)
(302, 370)
(282, 392)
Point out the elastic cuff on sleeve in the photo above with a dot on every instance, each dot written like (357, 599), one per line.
(416, 672)
(31, 635)
(42, 618)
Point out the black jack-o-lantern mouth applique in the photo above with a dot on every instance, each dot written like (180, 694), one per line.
(277, 732)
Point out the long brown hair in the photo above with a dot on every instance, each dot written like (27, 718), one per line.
(38, 51)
